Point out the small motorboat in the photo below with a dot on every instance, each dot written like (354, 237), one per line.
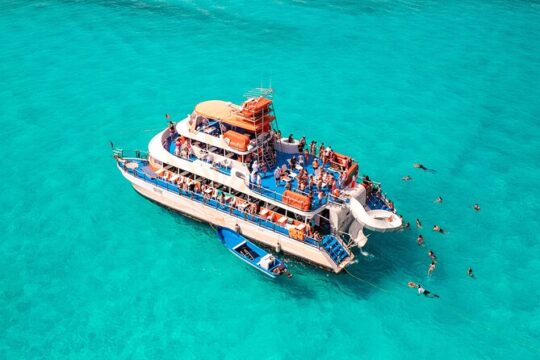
(251, 253)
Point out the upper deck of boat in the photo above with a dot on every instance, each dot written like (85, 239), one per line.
(271, 188)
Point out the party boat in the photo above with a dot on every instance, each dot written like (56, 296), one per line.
(228, 165)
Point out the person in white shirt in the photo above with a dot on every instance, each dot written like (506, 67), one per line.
(301, 160)
(277, 175)
(258, 180)
(255, 166)
(426, 293)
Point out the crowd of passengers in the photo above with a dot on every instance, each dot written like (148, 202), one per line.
(232, 202)
(183, 148)
(321, 183)
(326, 154)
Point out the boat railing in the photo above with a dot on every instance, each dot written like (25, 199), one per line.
(338, 234)
(219, 161)
(346, 238)
(315, 202)
(223, 207)
(129, 154)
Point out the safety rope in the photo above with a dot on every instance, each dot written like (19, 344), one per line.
(365, 281)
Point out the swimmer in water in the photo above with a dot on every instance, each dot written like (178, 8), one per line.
(431, 268)
(418, 223)
(438, 200)
(470, 273)
(407, 226)
(422, 167)
(437, 228)
(432, 255)
(420, 240)
(426, 293)
(476, 207)
(406, 178)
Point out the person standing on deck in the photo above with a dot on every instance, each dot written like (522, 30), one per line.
(277, 175)
(313, 148)
(301, 160)
(255, 166)
(258, 180)
(252, 179)
(302, 144)
(321, 151)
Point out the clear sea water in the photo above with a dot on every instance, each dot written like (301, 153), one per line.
(91, 270)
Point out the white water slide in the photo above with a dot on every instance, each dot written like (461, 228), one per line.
(376, 220)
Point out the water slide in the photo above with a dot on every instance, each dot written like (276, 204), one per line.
(376, 220)
(358, 236)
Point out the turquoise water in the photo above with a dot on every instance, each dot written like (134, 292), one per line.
(92, 270)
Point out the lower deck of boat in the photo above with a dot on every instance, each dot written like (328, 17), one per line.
(214, 213)
(289, 256)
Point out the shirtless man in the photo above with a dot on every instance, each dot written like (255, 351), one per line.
(422, 167)
(437, 228)
(431, 268)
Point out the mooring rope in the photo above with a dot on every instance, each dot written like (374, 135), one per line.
(365, 281)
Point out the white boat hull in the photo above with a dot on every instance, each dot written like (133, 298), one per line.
(252, 231)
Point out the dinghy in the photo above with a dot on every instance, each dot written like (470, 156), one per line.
(251, 253)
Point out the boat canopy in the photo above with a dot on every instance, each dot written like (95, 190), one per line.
(232, 114)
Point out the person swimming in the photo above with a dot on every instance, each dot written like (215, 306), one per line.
(407, 226)
(476, 207)
(422, 167)
(406, 178)
(470, 273)
(426, 293)
(432, 255)
(418, 223)
(431, 268)
(438, 200)
(437, 228)
(420, 240)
